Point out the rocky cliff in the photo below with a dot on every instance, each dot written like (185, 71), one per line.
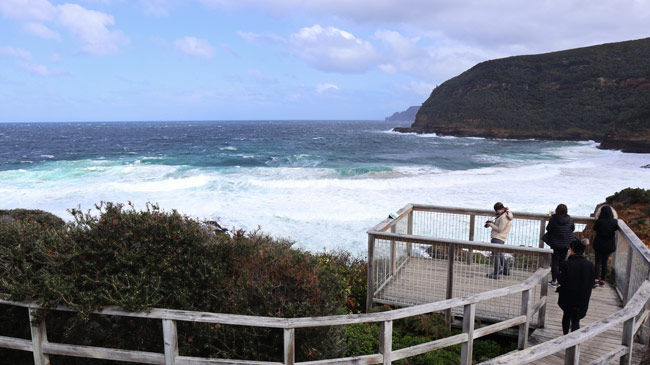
(599, 93)
(407, 115)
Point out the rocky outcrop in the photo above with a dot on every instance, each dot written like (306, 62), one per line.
(31, 215)
(599, 93)
(407, 115)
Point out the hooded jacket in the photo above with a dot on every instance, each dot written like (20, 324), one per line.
(605, 227)
(501, 226)
(560, 231)
(576, 279)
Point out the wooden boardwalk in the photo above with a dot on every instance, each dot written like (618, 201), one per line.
(604, 301)
(424, 280)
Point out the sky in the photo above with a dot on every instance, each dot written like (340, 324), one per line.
(130, 60)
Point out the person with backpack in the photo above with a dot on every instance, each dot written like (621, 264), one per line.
(604, 242)
(575, 280)
(559, 235)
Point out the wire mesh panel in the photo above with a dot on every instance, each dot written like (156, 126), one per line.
(417, 279)
(441, 225)
(638, 274)
(620, 264)
(477, 271)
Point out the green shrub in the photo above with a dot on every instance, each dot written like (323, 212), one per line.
(630, 196)
(144, 259)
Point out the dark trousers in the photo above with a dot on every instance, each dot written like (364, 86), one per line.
(558, 256)
(601, 264)
(571, 320)
(500, 262)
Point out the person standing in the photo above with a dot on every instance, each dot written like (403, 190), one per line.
(576, 278)
(559, 236)
(604, 242)
(500, 229)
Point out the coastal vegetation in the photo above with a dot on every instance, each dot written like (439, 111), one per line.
(145, 259)
(599, 93)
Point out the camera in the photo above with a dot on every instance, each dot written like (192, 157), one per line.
(487, 224)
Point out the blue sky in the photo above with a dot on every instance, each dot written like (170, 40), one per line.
(105, 60)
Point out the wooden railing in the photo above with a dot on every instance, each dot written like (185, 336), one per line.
(631, 263)
(42, 348)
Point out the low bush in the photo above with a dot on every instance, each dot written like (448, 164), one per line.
(144, 259)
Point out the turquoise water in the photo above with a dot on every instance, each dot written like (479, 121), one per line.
(322, 183)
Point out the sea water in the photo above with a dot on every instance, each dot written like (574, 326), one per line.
(322, 184)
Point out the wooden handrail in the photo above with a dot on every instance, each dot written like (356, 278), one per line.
(459, 243)
(634, 307)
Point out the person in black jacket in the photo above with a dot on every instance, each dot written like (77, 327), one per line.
(576, 278)
(604, 242)
(559, 236)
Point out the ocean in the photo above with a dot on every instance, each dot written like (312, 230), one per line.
(322, 184)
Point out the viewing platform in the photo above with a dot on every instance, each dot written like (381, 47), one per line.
(427, 259)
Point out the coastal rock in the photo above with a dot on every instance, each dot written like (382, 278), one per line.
(407, 115)
(30, 215)
(599, 93)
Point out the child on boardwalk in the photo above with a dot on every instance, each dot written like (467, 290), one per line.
(575, 280)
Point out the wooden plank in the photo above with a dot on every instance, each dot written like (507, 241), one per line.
(386, 341)
(104, 353)
(628, 341)
(355, 360)
(614, 354)
(522, 339)
(289, 346)
(370, 282)
(39, 338)
(15, 343)
(429, 346)
(186, 360)
(468, 329)
(170, 341)
(470, 211)
(572, 355)
(483, 246)
(499, 326)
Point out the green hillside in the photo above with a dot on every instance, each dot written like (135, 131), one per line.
(599, 93)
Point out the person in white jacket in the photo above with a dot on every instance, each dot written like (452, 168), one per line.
(500, 229)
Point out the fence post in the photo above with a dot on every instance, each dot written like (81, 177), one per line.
(386, 340)
(472, 221)
(170, 338)
(543, 292)
(466, 348)
(523, 328)
(393, 253)
(572, 355)
(409, 231)
(542, 229)
(628, 274)
(450, 280)
(39, 337)
(628, 340)
(289, 346)
(370, 284)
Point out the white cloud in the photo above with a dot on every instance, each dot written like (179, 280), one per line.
(28, 9)
(41, 31)
(23, 60)
(90, 27)
(321, 88)
(40, 70)
(16, 52)
(194, 47)
(332, 49)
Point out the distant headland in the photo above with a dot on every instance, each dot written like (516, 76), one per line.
(599, 93)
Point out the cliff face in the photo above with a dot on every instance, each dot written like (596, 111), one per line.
(599, 93)
(407, 115)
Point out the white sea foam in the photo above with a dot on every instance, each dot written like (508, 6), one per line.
(320, 208)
